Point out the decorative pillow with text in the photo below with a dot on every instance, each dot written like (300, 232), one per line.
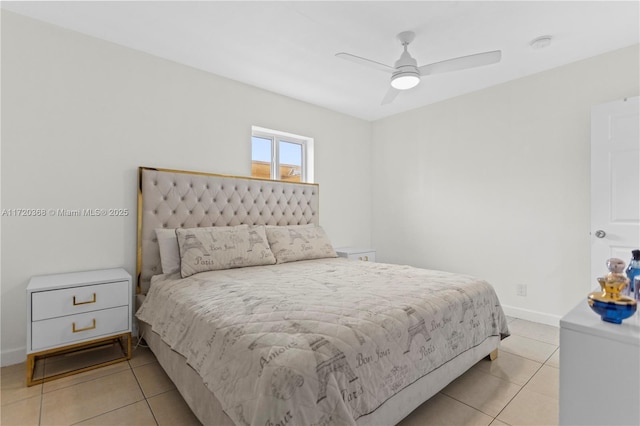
(299, 242)
(215, 248)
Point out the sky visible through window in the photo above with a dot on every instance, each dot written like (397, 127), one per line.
(260, 149)
(290, 153)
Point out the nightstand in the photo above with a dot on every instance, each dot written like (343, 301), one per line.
(81, 319)
(356, 253)
(598, 359)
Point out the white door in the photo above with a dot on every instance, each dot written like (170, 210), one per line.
(615, 183)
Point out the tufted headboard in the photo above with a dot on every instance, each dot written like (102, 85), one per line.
(182, 199)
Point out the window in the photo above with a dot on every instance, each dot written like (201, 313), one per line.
(281, 156)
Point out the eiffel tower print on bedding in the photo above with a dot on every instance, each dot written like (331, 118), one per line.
(286, 350)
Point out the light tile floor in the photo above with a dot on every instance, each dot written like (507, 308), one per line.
(519, 388)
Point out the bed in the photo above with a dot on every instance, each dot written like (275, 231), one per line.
(261, 323)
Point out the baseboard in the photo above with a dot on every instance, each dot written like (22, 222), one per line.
(530, 315)
(13, 356)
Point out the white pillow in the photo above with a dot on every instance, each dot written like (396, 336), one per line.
(214, 248)
(169, 251)
(299, 242)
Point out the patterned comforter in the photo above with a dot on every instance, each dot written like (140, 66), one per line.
(318, 342)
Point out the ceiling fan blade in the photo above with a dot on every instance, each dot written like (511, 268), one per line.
(461, 63)
(365, 61)
(390, 96)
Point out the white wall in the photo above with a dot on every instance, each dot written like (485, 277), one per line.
(496, 183)
(79, 115)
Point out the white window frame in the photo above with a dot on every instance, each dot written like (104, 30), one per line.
(276, 136)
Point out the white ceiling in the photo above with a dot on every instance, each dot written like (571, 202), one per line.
(289, 47)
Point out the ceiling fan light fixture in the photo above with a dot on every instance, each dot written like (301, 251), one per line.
(405, 80)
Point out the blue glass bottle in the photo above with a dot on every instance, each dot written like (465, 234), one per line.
(633, 269)
(609, 303)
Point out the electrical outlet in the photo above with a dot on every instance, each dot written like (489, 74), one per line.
(521, 290)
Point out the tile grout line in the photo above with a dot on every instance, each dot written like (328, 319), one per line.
(531, 359)
(527, 382)
(79, 383)
(534, 339)
(130, 368)
(146, 400)
(499, 378)
(44, 374)
(102, 414)
(517, 393)
(41, 403)
(464, 403)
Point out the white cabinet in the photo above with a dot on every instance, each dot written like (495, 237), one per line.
(70, 313)
(368, 255)
(599, 369)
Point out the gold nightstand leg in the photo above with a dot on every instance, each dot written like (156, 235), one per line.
(31, 363)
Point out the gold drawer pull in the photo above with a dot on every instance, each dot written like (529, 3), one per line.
(84, 303)
(77, 330)
(366, 258)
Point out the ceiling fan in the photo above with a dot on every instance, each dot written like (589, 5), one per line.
(405, 73)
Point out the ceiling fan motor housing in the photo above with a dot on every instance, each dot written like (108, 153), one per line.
(406, 74)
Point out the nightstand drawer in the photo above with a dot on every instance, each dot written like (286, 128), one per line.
(75, 300)
(74, 328)
(367, 255)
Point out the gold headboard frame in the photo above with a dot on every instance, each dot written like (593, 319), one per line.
(185, 199)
